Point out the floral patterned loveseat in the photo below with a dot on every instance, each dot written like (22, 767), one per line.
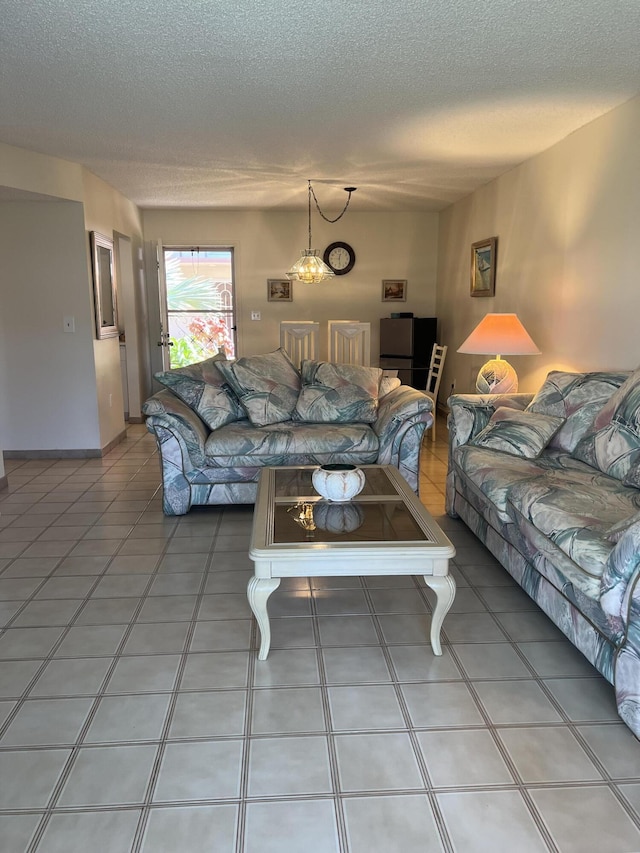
(551, 484)
(218, 422)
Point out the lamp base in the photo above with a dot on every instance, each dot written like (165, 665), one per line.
(497, 376)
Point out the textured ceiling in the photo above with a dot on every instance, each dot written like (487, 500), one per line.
(235, 103)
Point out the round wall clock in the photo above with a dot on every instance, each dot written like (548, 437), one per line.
(340, 257)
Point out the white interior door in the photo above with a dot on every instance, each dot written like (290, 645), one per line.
(164, 340)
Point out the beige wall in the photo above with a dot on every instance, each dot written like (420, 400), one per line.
(266, 244)
(47, 377)
(38, 173)
(67, 392)
(567, 228)
(110, 213)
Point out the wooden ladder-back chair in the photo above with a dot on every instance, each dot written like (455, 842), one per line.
(438, 355)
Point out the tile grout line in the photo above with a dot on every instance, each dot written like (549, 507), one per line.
(332, 749)
(152, 781)
(573, 726)
(79, 743)
(510, 764)
(82, 603)
(438, 817)
(492, 729)
(245, 757)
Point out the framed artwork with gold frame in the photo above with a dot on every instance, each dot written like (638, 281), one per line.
(483, 267)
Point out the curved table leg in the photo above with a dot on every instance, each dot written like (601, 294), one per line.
(258, 592)
(445, 590)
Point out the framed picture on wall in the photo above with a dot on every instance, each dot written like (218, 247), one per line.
(279, 290)
(394, 290)
(104, 286)
(483, 267)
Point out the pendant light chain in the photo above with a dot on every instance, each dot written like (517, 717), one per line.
(310, 268)
(326, 218)
(310, 191)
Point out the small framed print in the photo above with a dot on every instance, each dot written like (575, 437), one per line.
(394, 290)
(483, 267)
(279, 290)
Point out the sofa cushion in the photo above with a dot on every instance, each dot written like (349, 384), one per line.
(613, 443)
(338, 393)
(492, 474)
(578, 397)
(617, 530)
(205, 390)
(574, 510)
(486, 494)
(517, 433)
(291, 443)
(530, 557)
(266, 385)
(632, 477)
(583, 590)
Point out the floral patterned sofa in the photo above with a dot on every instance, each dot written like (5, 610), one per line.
(551, 484)
(218, 422)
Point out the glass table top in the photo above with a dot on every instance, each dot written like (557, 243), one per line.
(378, 513)
(296, 483)
(355, 521)
(293, 523)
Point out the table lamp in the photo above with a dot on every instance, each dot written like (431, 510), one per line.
(503, 334)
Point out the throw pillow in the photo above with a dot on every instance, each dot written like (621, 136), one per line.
(613, 444)
(519, 433)
(578, 397)
(204, 389)
(338, 393)
(387, 385)
(266, 385)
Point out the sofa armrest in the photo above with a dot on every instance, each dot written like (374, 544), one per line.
(620, 600)
(468, 415)
(166, 412)
(620, 574)
(398, 406)
(403, 416)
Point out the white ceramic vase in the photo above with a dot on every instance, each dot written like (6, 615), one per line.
(338, 482)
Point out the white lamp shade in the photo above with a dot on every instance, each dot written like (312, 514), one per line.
(501, 334)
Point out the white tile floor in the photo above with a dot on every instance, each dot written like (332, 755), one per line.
(134, 715)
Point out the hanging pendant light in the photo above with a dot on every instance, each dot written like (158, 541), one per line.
(310, 267)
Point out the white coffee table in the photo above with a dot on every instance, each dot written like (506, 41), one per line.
(385, 530)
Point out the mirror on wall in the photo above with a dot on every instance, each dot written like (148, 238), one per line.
(104, 286)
